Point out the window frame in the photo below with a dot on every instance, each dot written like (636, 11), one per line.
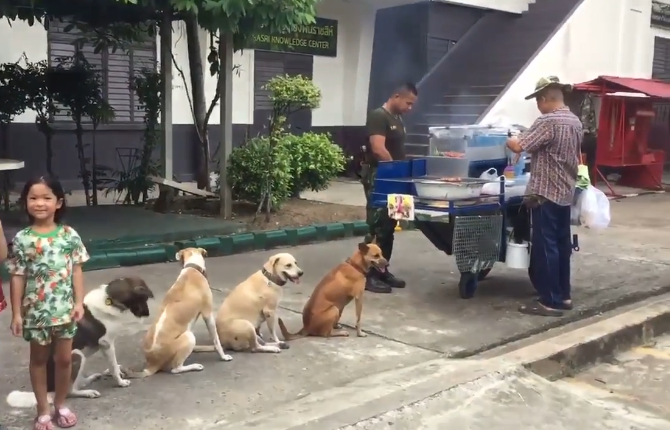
(54, 36)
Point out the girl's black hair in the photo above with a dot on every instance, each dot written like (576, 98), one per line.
(55, 187)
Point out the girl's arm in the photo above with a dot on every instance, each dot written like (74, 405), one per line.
(16, 265)
(17, 286)
(79, 257)
(78, 284)
(3, 244)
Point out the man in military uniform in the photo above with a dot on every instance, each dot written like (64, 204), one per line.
(386, 142)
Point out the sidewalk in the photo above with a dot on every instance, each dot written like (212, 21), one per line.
(408, 330)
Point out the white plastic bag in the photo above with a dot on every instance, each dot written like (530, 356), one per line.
(594, 208)
(490, 175)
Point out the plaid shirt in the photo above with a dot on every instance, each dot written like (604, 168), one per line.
(554, 142)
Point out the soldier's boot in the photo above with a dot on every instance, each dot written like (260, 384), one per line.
(389, 279)
(374, 284)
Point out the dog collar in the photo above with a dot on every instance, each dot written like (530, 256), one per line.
(119, 306)
(196, 267)
(355, 266)
(273, 278)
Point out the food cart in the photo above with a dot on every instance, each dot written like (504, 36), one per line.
(449, 206)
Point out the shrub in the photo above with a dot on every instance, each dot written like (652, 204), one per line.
(314, 161)
(247, 172)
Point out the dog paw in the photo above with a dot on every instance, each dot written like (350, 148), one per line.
(274, 349)
(89, 394)
(198, 367)
(361, 334)
(123, 383)
(226, 357)
(284, 345)
(94, 377)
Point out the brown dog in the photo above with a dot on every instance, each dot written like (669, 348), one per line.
(342, 284)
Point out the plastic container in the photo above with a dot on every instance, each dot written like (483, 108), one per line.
(480, 143)
(509, 172)
(445, 142)
(518, 255)
(447, 167)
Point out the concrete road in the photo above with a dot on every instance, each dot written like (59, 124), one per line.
(409, 329)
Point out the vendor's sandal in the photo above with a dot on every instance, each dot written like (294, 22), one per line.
(65, 418)
(43, 422)
(535, 308)
(567, 305)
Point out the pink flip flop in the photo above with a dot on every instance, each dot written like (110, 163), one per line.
(65, 418)
(43, 422)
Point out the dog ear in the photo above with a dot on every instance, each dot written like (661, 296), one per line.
(202, 252)
(274, 260)
(363, 247)
(141, 289)
(178, 256)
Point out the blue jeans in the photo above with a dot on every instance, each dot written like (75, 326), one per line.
(551, 248)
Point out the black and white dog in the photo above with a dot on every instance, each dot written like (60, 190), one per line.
(116, 309)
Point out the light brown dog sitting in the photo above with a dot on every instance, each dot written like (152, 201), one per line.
(342, 284)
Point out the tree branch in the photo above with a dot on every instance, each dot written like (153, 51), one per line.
(188, 94)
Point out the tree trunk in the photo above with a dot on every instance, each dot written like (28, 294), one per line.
(199, 103)
(94, 170)
(4, 150)
(50, 153)
(83, 170)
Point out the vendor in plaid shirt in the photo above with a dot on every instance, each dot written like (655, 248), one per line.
(554, 142)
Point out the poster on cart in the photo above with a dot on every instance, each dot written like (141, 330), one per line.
(401, 207)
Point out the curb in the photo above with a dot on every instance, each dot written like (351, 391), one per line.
(622, 337)
(372, 396)
(223, 245)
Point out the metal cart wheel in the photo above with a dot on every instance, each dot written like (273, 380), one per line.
(467, 285)
(483, 274)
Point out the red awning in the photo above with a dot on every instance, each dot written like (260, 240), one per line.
(649, 87)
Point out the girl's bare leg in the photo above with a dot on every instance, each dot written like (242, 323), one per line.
(63, 361)
(39, 355)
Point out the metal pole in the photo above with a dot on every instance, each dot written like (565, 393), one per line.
(226, 120)
(166, 94)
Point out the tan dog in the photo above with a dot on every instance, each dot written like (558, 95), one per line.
(253, 302)
(344, 283)
(170, 341)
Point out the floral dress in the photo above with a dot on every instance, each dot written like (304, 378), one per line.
(47, 262)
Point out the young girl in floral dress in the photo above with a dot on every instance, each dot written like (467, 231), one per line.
(47, 294)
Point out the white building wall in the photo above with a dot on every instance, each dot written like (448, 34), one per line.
(33, 44)
(344, 80)
(603, 37)
(243, 84)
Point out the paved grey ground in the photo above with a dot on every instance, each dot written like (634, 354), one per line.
(408, 327)
(631, 392)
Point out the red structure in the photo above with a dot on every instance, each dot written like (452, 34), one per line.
(624, 123)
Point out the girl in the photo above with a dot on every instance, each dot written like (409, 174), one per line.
(47, 293)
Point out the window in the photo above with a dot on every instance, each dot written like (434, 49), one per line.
(116, 69)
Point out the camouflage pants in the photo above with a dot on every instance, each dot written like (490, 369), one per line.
(381, 227)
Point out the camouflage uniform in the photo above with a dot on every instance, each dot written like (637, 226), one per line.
(381, 227)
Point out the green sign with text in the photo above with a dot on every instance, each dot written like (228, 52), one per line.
(319, 39)
(660, 14)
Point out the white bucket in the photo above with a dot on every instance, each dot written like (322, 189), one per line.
(518, 255)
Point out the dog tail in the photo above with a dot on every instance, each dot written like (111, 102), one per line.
(204, 348)
(288, 336)
(25, 399)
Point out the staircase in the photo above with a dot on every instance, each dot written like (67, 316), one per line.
(479, 68)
